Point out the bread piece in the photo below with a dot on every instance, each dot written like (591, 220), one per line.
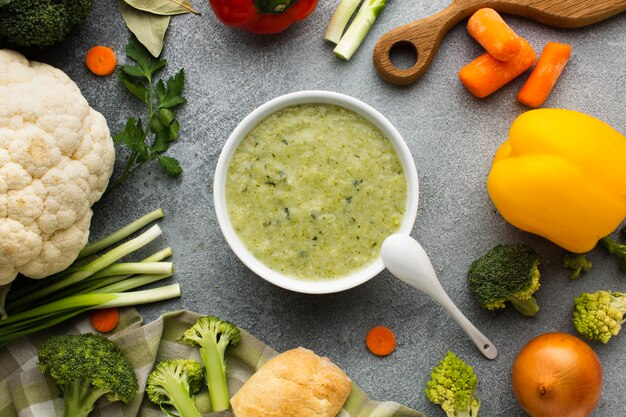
(296, 383)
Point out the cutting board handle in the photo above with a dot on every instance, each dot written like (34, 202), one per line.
(426, 34)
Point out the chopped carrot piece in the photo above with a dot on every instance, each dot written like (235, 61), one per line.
(104, 320)
(380, 341)
(101, 60)
(492, 32)
(485, 74)
(545, 74)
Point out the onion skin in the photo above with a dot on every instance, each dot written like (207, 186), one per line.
(557, 375)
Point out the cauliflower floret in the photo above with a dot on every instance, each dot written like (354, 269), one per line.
(56, 158)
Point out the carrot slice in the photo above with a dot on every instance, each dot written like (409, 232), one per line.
(544, 76)
(101, 60)
(492, 32)
(380, 341)
(485, 75)
(106, 319)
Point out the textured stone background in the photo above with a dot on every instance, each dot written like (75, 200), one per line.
(452, 136)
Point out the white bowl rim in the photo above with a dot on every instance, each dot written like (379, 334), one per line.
(247, 124)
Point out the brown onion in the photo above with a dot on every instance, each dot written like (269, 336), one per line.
(557, 375)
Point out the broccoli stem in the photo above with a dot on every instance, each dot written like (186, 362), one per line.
(80, 397)
(181, 399)
(615, 249)
(362, 23)
(215, 375)
(527, 307)
(122, 233)
(340, 19)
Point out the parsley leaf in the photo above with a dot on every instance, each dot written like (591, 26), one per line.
(160, 98)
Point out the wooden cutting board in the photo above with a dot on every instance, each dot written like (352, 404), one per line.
(426, 34)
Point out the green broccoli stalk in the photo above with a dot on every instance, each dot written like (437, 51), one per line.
(616, 249)
(173, 383)
(599, 315)
(41, 22)
(506, 273)
(87, 367)
(577, 263)
(213, 336)
(453, 385)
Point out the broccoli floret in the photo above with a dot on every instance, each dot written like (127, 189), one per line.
(506, 273)
(87, 367)
(41, 22)
(213, 336)
(173, 383)
(577, 263)
(599, 315)
(616, 249)
(452, 385)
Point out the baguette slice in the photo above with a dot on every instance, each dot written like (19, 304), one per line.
(294, 383)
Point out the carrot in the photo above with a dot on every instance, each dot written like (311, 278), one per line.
(380, 341)
(101, 60)
(492, 32)
(485, 74)
(104, 320)
(547, 71)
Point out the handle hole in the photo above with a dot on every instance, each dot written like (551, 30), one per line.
(403, 55)
(487, 346)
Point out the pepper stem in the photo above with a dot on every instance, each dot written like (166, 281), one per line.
(272, 6)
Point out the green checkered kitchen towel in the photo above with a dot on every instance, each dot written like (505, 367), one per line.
(25, 392)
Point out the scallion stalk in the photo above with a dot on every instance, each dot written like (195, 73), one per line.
(340, 19)
(358, 29)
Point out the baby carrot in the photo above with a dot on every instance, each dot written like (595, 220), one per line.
(101, 60)
(485, 74)
(104, 320)
(492, 32)
(547, 71)
(380, 341)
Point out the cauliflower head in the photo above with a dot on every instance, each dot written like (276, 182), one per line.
(56, 158)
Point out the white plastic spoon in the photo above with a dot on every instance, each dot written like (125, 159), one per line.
(407, 260)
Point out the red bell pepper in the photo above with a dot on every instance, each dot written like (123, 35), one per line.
(262, 16)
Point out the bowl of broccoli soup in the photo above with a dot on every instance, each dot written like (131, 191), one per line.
(309, 185)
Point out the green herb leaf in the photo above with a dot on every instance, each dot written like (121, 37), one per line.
(163, 7)
(149, 28)
(133, 136)
(173, 131)
(161, 141)
(166, 117)
(169, 94)
(137, 89)
(170, 166)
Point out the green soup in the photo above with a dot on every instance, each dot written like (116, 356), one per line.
(313, 190)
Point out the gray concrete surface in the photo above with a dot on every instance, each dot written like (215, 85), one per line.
(452, 136)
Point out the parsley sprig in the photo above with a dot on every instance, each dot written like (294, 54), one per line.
(149, 142)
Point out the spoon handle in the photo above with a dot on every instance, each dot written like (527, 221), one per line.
(480, 340)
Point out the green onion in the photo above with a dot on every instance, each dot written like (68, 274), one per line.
(362, 23)
(340, 19)
(93, 281)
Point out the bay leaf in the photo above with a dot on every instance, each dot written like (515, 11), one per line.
(163, 7)
(149, 28)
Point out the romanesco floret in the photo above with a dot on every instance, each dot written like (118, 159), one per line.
(599, 315)
(452, 385)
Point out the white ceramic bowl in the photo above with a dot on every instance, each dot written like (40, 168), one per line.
(247, 124)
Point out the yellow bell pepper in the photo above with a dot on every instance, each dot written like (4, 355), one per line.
(561, 175)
